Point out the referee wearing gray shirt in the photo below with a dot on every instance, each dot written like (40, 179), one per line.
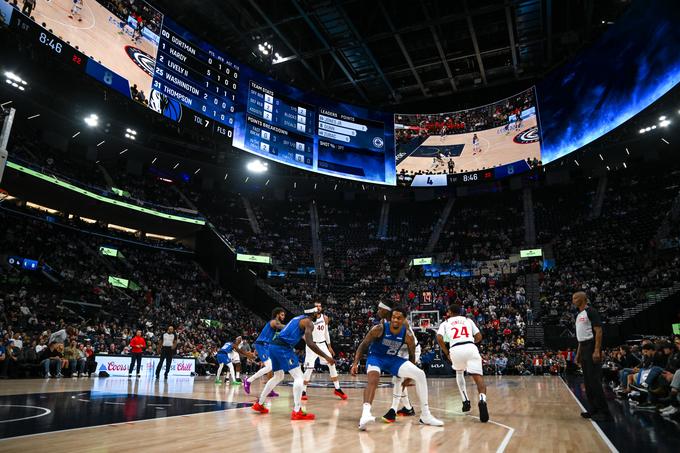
(589, 356)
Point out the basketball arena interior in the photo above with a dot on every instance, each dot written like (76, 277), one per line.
(340, 225)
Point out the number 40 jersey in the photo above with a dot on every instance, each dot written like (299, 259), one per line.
(458, 329)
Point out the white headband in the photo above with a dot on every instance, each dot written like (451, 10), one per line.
(383, 306)
(309, 311)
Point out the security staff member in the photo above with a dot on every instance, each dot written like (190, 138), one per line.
(589, 356)
(168, 345)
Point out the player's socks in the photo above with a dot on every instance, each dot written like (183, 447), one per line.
(336, 384)
(390, 416)
(482, 397)
(404, 398)
(460, 380)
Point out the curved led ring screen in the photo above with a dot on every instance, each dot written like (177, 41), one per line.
(632, 65)
(486, 137)
(134, 49)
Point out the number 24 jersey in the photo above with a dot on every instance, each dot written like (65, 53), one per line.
(458, 329)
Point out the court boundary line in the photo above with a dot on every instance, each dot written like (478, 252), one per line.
(118, 423)
(604, 437)
(506, 439)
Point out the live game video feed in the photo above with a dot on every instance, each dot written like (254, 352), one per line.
(120, 35)
(483, 137)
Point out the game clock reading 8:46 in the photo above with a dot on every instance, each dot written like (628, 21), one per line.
(48, 41)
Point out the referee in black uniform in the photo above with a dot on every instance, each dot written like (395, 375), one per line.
(589, 356)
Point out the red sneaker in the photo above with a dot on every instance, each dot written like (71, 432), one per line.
(304, 396)
(301, 416)
(340, 394)
(257, 407)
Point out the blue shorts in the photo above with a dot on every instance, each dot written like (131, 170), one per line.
(387, 363)
(262, 351)
(223, 358)
(283, 357)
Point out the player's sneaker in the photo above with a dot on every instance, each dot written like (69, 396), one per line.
(340, 394)
(273, 394)
(299, 415)
(304, 396)
(235, 383)
(403, 412)
(365, 421)
(430, 420)
(246, 387)
(257, 407)
(467, 406)
(217, 381)
(483, 412)
(390, 416)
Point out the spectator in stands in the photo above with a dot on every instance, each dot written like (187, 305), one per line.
(76, 359)
(51, 356)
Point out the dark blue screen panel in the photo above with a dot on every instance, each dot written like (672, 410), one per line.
(634, 63)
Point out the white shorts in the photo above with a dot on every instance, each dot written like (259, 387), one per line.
(311, 356)
(404, 353)
(466, 357)
(235, 357)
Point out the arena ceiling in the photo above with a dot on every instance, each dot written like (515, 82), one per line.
(383, 53)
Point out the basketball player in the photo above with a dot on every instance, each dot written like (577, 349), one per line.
(236, 361)
(462, 334)
(75, 10)
(284, 359)
(383, 343)
(399, 390)
(475, 145)
(322, 339)
(224, 358)
(262, 348)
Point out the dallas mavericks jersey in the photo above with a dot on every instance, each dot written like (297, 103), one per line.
(226, 348)
(319, 334)
(292, 333)
(389, 343)
(267, 334)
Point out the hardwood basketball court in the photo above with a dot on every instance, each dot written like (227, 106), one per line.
(533, 413)
(498, 147)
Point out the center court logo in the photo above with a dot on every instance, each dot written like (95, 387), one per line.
(142, 59)
(528, 136)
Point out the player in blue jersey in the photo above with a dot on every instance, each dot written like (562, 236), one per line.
(262, 347)
(383, 343)
(223, 358)
(284, 359)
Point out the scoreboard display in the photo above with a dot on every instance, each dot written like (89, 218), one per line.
(153, 60)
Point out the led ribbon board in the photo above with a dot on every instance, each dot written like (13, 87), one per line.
(87, 193)
(421, 261)
(254, 258)
(530, 253)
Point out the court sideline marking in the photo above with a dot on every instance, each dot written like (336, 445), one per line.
(604, 437)
(504, 442)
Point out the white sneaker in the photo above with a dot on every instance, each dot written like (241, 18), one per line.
(671, 411)
(428, 419)
(365, 420)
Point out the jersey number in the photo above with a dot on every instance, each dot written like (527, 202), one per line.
(320, 327)
(463, 332)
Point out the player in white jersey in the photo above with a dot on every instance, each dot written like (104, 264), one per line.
(462, 333)
(321, 336)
